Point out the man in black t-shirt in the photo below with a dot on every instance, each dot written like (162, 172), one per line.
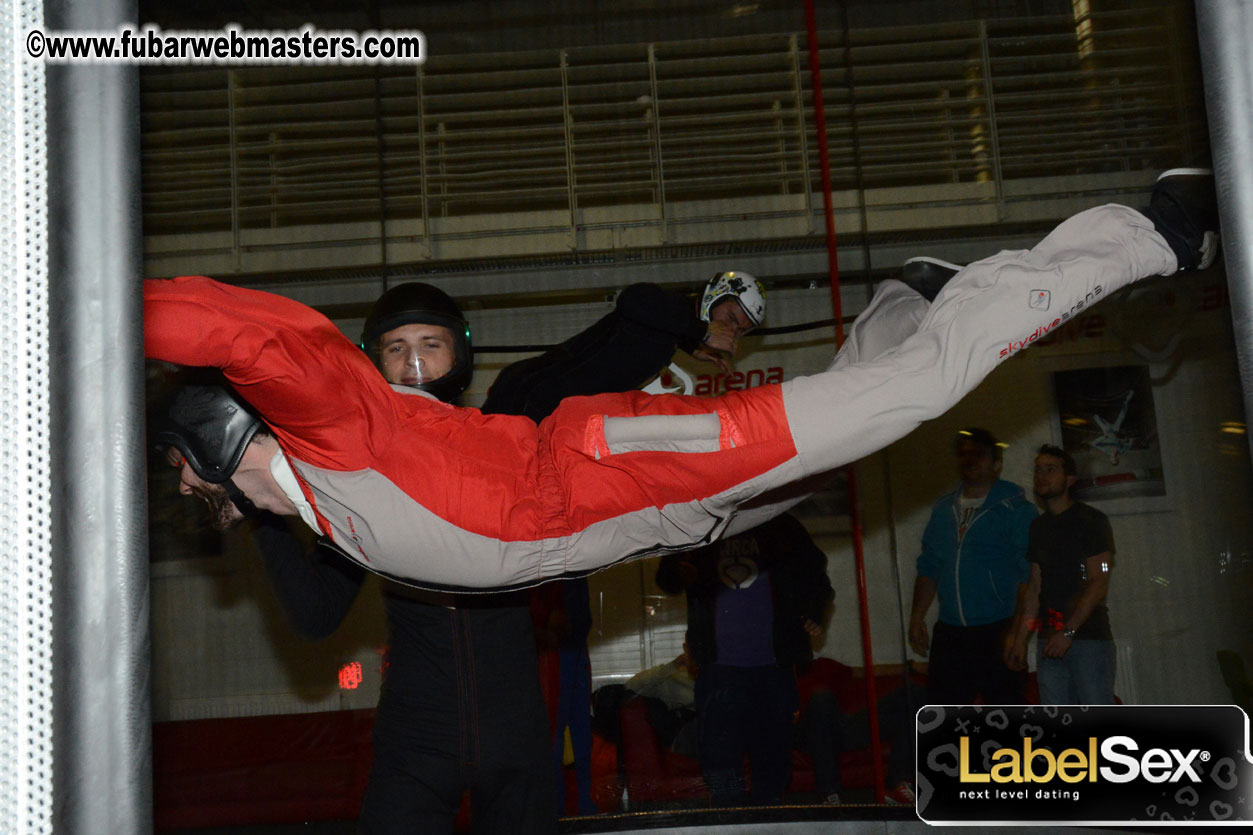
(1071, 551)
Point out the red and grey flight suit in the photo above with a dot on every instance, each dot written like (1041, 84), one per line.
(500, 502)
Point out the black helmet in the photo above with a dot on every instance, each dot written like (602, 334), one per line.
(416, 303)
(210, 426)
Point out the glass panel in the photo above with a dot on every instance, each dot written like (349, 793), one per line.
(535, 167)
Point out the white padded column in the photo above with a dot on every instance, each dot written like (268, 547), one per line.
(25, 544)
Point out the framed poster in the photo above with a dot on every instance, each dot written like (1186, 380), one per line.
(1105, 418)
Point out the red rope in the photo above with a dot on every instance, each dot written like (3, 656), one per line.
(833, 263)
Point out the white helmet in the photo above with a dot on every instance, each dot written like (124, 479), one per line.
(746, 289)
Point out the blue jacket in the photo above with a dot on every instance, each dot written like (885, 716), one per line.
(977, 578)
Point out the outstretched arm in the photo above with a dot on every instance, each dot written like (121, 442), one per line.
(305, 378)
(316, 589)
(655, 308)
(619, 352)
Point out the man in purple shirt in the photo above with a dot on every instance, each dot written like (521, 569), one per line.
(754, 600)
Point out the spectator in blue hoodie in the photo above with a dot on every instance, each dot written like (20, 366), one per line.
(974, 557)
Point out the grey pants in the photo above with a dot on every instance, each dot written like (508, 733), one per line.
(906, 361)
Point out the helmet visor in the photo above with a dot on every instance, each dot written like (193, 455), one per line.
(417, 353)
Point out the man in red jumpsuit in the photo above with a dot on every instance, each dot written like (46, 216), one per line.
(614, 477)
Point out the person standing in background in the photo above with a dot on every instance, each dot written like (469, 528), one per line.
(973, 558)
(1071, 551)
(619, 352)
(754, 601)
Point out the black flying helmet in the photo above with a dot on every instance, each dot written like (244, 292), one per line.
(210, 426)
(416, 303)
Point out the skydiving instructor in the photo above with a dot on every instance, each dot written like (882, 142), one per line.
(460, 708)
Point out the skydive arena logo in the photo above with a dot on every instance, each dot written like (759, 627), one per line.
(1040, 300)
(1154, 765)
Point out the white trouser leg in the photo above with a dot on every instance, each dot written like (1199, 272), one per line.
(892, 316)
(987, 312)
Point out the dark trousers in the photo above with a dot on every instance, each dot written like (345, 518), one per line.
(827, 732)
(423, 795)
(417, 781)
(965, 663)
(745, 710)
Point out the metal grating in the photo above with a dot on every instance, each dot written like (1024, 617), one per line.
(25, 588)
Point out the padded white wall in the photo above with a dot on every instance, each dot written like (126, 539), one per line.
(25, 553)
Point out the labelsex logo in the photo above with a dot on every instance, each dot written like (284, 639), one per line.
(1039, 765)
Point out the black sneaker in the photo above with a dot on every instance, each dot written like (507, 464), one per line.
(1184, 211)
(928, 275)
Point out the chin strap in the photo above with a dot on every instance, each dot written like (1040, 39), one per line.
(241, 502)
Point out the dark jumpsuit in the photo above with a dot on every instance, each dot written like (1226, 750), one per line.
(461, 707)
